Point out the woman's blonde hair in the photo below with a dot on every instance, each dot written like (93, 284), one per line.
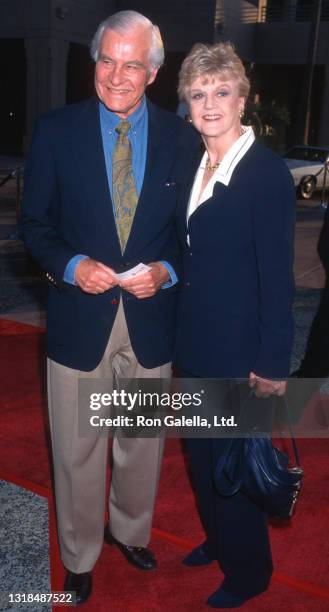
(212, 60)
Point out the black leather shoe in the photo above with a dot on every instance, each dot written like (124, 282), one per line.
(80, 583)
(140, 557)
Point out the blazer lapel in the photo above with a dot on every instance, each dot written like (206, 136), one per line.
(87, 149)
(186, 192)
(159, 160)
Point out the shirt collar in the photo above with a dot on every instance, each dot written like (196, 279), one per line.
(111, 120)
(233, 156)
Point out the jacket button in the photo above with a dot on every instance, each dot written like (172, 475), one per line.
(188, 284)
(114, 301)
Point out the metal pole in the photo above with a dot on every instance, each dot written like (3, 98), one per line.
(324, 203)
(309, 71)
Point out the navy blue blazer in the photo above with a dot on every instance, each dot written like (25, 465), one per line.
(67, 209)
(235, 307)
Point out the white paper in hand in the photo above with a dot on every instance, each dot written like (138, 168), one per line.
(135, 271)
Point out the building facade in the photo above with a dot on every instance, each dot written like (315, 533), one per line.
(273, 37)
(45, 60)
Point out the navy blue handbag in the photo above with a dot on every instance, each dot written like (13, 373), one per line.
(261, 471)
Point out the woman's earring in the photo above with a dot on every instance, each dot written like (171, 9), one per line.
(241, 113)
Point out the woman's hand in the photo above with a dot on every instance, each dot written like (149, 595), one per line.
(265, 387)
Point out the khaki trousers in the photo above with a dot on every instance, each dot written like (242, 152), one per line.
(80, 463)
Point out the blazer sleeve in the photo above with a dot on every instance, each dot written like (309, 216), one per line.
(41, 205)
(274, 211)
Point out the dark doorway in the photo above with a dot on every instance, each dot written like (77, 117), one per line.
(13, 96)
(80, 74)
(164, 89)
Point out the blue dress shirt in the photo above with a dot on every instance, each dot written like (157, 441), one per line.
(138, 137)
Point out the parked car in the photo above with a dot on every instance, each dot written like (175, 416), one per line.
(307, 166)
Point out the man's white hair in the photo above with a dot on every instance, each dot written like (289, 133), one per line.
(126, 21)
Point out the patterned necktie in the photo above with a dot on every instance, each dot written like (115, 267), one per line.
(124, 190)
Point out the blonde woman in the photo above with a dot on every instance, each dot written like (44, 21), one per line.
(236, 228)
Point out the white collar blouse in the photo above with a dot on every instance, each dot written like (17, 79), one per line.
(224, 171)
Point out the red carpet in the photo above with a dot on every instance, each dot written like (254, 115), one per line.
(300, 549)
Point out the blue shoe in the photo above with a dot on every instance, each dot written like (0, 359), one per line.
(198, 556)
(223, 599)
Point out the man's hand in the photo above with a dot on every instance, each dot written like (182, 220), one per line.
(94, 277)
(265, 387)
(146, 285)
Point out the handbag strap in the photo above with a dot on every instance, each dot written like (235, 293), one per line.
(290, 426)
(291, 431)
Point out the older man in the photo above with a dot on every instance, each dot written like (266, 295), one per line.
(101, 190)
